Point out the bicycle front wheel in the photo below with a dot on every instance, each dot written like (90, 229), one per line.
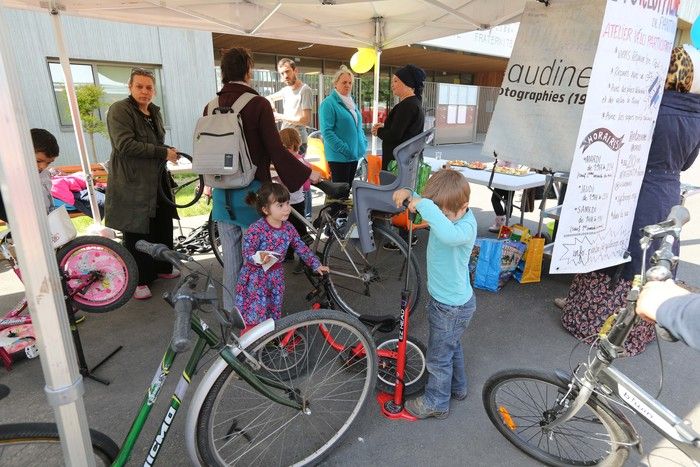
(100, 274)
(370, 284)
(303, 357)
(520, 403)
(23, 444)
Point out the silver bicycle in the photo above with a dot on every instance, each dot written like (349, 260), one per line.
(575, 419)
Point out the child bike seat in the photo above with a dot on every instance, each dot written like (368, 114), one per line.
(368, 197)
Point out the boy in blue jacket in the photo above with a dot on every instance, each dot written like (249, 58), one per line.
(445, 207)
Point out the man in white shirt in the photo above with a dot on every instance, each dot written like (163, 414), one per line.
(297, 100)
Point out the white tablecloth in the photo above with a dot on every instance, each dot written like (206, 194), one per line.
(502, 181)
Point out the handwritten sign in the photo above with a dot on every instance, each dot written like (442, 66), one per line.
(612, 144)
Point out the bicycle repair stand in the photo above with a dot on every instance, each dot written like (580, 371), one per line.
(85, 371)
(392, 405)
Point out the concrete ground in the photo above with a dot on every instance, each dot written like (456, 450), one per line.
(515, 328)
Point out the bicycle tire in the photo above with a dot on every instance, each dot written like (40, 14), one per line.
(237, 425)
(215, 241)
(23, 444)
(416, 372)
(117, 268)
(171, 197)
(353, 295)
(594, 434)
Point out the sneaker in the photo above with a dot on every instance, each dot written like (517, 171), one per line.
(142, 293)
(418, 409)
(560, 302)
(497, 223)
(459, 397)
(171, 275)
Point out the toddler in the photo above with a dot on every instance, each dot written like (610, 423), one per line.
(260, 286)
(445, 207)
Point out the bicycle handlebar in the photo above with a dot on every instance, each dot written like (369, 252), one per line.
(181, 330)
(182, 302)
(162, 253)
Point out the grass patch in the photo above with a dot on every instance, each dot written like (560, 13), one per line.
(200, 208)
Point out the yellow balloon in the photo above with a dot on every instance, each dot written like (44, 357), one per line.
(363, 60)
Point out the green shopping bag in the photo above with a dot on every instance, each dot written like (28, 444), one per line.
(423, 176)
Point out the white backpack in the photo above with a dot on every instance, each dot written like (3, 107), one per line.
(220, 151)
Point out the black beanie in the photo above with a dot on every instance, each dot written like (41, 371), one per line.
(413, 77)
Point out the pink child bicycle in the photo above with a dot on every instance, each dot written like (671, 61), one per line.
(98, 275)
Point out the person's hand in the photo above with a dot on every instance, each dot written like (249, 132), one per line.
(172, 155)
(266, 257)
(376, 127)
(315, 177)
(413, 203)
(654, 294)
(401, 195)
(323, 270)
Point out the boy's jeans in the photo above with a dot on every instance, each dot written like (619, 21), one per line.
(445, 358)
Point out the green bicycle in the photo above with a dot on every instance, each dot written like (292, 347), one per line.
(267, 399)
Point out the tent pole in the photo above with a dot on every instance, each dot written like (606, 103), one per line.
(23, 198)
(75, 116)
(378, 23)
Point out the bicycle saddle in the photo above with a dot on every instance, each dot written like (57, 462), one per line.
(334, 190)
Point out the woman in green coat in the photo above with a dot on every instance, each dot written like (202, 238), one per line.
(132, 203)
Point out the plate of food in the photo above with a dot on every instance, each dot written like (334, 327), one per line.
(458, 163)
(518, 170)
(477, 165)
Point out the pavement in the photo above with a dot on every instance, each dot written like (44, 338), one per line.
(515, 328)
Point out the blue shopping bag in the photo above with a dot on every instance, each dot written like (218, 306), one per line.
(496, 262)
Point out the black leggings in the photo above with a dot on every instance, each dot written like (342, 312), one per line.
(343, 171)
(498, 200)
(160, 230)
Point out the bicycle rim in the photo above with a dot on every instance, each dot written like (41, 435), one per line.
(24, 444)
(215, 242)
(117, 270)
(378, 277)
(239, 426)
(415, 374)
(521, 403)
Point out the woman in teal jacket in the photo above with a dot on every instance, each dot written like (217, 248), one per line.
(344, 138)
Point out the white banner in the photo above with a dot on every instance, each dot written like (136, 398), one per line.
(613, 141)
(538, 111)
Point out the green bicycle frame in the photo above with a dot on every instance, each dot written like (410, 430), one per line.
(206, 338)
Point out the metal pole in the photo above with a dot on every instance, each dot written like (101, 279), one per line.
(75, 112)
(378, 23)
(19, 182)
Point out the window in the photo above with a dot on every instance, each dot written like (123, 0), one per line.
(114, 79)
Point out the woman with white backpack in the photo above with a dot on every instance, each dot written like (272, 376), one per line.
(265, 147)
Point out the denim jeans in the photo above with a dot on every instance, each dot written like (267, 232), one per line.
(231, 237)
(445, 359)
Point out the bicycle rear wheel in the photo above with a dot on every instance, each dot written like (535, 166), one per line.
(100, 271)
(215, 241)
(23, 444)
(521, 402)
(372, 282)
(237, 425)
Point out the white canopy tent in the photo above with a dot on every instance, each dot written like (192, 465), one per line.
(379, 24)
